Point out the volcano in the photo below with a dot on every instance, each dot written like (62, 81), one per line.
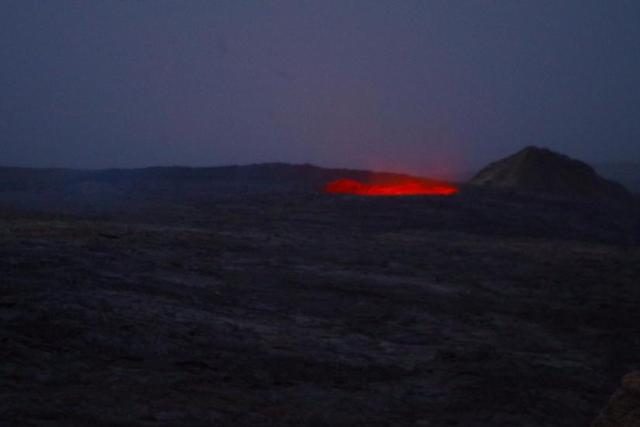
(539, 170)
(404, 187)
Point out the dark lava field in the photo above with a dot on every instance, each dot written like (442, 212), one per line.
(307, 309)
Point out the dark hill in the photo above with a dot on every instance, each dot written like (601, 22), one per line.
(539, 170)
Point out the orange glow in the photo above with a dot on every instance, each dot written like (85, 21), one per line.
(405, 187)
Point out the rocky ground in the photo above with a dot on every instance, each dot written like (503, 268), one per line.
(317, 310)
(623, 410)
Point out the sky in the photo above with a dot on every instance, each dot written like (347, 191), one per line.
(431, 87)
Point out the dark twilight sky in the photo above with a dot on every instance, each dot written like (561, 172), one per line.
(425, 86)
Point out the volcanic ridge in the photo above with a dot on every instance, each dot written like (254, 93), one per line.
(539, 170)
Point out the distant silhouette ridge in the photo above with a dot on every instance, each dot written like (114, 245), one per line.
(540, 170)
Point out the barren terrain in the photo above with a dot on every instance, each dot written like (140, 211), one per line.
(294, 309)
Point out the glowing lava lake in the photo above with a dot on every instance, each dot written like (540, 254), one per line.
(404, 187)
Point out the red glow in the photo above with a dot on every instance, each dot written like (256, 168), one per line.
(406, 187)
